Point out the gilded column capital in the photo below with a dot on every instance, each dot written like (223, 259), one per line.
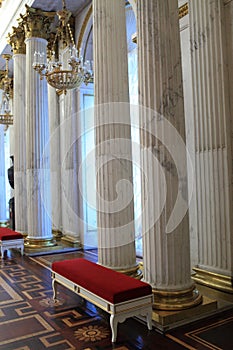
(17, 40)
(36, 22)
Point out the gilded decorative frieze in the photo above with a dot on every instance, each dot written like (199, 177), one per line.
(17, 40)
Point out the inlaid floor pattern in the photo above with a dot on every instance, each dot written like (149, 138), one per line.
(30, 320)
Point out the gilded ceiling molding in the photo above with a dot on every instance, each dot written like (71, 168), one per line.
(17, 40)
(183, 10)
(36, 22)
(83, 28)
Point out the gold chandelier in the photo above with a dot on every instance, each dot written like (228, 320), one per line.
(70, 72)
(6, 117)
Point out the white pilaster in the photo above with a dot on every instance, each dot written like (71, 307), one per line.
(163, 158)
(115, 214)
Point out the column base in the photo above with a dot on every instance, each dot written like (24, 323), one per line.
(176, 300)
(71, 241)
(213, 280)
(134, 272)
(32, 243)
(165, 320)
(57, 234)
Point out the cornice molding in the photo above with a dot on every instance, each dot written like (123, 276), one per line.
(83, 28)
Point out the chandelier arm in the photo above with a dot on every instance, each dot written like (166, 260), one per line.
(54, 42)
(70, 34)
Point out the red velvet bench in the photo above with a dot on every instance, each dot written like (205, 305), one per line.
(119, 295)
(10, 239)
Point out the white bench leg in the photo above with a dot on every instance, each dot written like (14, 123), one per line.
(113, 324)
(54, 285)
(149, 319)
(22, 250)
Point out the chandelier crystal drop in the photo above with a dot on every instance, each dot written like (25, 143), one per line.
(6, 117)
(69, 71)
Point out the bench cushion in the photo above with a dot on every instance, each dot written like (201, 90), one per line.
(8, 234)
(115, 287)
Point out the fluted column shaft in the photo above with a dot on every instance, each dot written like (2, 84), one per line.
(37, 137)
(116, 244)
(36, 28)
(20, 183)
(166, 249)
(213, 137)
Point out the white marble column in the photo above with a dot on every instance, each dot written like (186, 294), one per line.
(55, 162)
(166, 249)
(213, 140)
(69, 169)
(3, 217)
(37, 137)
(20, 185)
(115, 212)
